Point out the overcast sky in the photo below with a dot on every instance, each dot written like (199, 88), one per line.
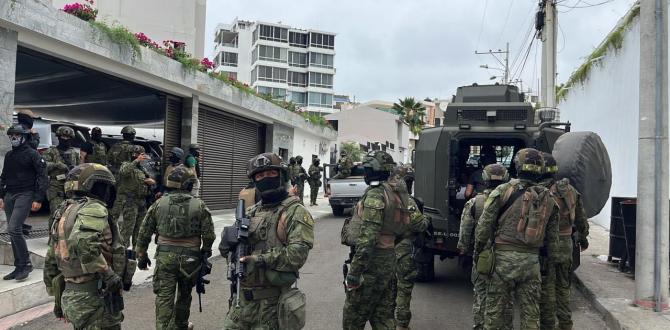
(425, 48)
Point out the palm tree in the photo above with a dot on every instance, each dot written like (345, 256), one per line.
(411, 113)
(352, 150)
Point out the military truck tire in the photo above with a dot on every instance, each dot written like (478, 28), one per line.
(583, 159)
(426, 271)
(338, 210)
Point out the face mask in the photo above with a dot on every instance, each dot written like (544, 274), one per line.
(16, 141)
(96, 137)
(64, 143)
(316, 163)
(195, 153)
(271, 190)
(174, 159)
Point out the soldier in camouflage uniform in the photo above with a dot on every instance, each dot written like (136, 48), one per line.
(300, 177)
(344, 166)
(384, 214)
(280, 235)
(85, 264)
(493, 175)
(314, 180)
(122, 151)
(557, 272)
(292, 171)
(518, 217)
(60, 159)
(405, 251)
(95, 151)
(133, 185)
(184, 234)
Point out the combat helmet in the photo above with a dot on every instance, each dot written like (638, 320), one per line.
(181, 178)
(18, 129)
(91, 179)
(177, 152)
(550, 165)
(298, 159)
(495, 172)
(128, 130)
(343, 153)
(529, 161)
(267, 161)
(379, 161)
(65, 131)
(316, 161)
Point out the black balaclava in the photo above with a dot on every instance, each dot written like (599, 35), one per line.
(534, 177)
(371, 176)
(174, 159)
(64, 144)
(272, 189)
(25, 120)
(96, 135)
(128, 137)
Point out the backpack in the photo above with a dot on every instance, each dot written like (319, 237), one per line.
(524, 222)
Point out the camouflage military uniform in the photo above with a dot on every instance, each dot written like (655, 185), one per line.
(314, 181)
(557, 272)
(281, 253)
(517, 268)
(84, 255)
(99, 154)
(300, 177)
(184, 233)
(59, 162)
(406, 270)
(118, 154)
(130, 201)
(344, 166)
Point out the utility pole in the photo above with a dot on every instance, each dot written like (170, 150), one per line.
(504, 63)
(651, 268)
(549, 22)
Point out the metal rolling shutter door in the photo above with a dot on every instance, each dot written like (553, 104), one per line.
(228, 143)
(172, 135)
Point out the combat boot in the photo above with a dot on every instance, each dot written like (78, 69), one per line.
(23, 272)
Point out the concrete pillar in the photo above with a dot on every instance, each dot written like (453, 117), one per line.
(189, 121)
(8, 43)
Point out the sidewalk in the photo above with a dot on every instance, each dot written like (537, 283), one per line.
(610, 291)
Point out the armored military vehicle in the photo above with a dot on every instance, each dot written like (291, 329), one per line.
(495, 117)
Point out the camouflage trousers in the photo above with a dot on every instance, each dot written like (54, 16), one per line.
(174, 277)
(253, 315)
(301, 191)
(56, 197)
(406, 273)
(555, 301)
(480, 284)
(133, 210)
(515, 273)
(86, 311)
(313, 193)
(373, 300)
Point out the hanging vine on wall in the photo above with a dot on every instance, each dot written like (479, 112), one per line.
(613, 41)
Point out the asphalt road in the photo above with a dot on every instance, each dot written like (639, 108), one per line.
(442, 304)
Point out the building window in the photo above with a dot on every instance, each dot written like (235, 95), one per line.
(269, 53)
(229, 59)
(276, 93)
(321, 80)
(392, 146)
(321, 100)
(297, 39)
(298, 79)
(272, 33)
(321, 60)
(297, 59)
(321, 40)
(268, 73)
(231, 75)
(299, 98)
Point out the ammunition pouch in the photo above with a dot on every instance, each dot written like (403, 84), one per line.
(58, 286)
(228, 240)
(277, 278)
(113, 303)
(291, 309)
(486, 261)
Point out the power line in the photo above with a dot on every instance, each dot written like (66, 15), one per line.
(481, 26)
(523, 45)
(560, 28)
(586, 4)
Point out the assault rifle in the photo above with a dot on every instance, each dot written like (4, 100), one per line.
(576, 249)
(345, 266)
(237, 268)
(201, 281)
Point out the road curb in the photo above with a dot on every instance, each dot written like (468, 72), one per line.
(610, 320)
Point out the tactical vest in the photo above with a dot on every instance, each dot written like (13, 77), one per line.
(178, 216)
(266, 231)
(248, 195)
(80, 215)
(565, 197)
(99, 154)
(133, 183)
(68, 157)
(167, 172)
(119, 153)
(478, 207)
(396, 216)
(524, 223)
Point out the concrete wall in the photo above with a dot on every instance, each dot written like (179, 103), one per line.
(307, 144)
(279, 136)
(181, 20)
(608, 104)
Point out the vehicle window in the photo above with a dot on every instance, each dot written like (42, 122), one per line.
(357, 171)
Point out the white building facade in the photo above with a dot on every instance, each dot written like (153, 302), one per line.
(373, 129)
(288, 63)
(182, 20)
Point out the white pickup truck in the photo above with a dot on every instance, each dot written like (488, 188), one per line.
(344, 193)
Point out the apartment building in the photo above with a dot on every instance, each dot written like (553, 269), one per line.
(288, 63)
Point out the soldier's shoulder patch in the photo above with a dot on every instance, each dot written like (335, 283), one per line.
(302, 215)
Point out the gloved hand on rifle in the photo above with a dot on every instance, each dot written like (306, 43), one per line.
(256, 260)
(143, 261)
(205, 254)
(113, 282)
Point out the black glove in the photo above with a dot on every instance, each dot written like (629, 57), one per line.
(113, 282)
(143, 262)
(205, 254)
(584, 244)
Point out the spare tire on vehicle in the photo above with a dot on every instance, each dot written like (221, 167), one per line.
(583, 159)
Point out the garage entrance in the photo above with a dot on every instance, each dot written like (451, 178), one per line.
(228, 142)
